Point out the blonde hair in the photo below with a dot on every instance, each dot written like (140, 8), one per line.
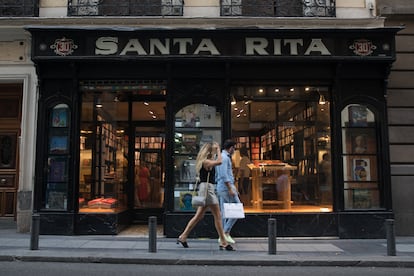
(204, 154)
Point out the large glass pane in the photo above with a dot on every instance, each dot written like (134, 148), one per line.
(195, 125)
(360, 160)
(56, 190)
(149, 166)
(282, 162)
(103, 153)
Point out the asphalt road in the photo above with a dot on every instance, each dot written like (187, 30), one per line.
(92, 269)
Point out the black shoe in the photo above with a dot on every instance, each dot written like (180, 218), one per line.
(227, 248)
(183, 243)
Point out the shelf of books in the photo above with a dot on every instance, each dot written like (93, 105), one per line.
(103, 168)
(252, 144)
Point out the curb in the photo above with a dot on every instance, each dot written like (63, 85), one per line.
(209, 261)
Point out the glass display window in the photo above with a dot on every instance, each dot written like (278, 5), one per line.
(55, 196)
(122, 145)
(103, 162)
(195, 125)
(359, 158)
(283, 136)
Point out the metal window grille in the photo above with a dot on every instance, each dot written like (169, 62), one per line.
(125, 7)
(278, 8)
(19, 8)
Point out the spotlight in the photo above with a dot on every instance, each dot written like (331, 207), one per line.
(322, 100)
(98, 103)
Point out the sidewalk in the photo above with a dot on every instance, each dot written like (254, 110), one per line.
(134, 249)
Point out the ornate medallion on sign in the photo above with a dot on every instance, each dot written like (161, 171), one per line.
(363, 47)
(63, 46)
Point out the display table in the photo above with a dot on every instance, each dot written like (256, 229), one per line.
(275, 176)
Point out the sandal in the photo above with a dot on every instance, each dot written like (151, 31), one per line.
(183, 243)
(227, 247)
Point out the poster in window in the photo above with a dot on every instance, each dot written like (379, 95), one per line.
(56, 200)
(184, 169)
(361, 199)
(208, 117)
(191, 143)
(358, 116)
(361, 169)
(185, 201)
(59, 117)
(59, 144)
(57, 170)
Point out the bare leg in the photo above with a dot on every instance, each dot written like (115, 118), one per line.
(192, 223)
(215, 210)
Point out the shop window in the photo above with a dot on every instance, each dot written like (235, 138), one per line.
(195, 125)
(282, 162)
(103, 153)
(114, 113)
(57, 180)
(360, 163)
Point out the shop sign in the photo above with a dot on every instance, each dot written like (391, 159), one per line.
(210, 44)
(188, 46)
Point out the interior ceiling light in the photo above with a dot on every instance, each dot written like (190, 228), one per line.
(98, 103)
(261, 90)
(146, 103)
(292, 89)
(322, 99)
(233, 100)
(277, 90)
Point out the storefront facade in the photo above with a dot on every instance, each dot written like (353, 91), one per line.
(123, 112)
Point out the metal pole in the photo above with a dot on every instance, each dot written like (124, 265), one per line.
(34, 234)
(271, 229)
(389, 227)
(152, 232)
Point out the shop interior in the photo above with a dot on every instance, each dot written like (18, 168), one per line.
(281, 163)
(282, 158)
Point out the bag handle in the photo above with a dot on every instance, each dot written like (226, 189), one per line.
(198, 182)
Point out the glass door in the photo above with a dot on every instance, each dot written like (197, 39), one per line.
(149, 167)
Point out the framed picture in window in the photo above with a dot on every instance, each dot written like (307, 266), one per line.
(60, 117)
(360, 141)
(58, 145)
(361, 169)
(57, 169)
(358, 116)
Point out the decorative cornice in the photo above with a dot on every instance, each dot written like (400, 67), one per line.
(202, 23)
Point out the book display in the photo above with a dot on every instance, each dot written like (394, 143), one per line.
(359, 152)
(103, 168)
(286, 147)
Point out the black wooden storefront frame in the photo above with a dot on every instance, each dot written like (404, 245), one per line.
(348, 75)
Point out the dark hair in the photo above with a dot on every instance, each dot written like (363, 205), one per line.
(228, 144)
(244, 152)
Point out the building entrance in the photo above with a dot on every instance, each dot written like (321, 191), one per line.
(10, 119)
